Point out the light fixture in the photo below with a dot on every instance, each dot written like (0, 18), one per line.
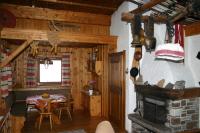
(33, 3)
(46, 61)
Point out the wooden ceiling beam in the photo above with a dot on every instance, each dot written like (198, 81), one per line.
(80, 4)
(59, 15)
(146, 6)
(128, 17)
(193, 29)
(15, 53)
(139, 4)
(22, 34)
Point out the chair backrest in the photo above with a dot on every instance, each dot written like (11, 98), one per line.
(44, 105)
(104, 127)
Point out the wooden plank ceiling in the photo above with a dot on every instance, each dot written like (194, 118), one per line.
(178, 10)
(106, 7)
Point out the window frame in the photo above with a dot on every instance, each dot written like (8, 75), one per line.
(49, 83)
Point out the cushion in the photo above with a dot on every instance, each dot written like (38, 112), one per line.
(170, 51)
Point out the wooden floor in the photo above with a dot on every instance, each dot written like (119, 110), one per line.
(81, 120)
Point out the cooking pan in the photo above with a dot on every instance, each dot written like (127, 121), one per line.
(134, 72)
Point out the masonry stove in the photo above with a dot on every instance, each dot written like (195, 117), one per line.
(166, 111)
(154, 110)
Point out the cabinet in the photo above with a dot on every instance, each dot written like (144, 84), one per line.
(92, 103)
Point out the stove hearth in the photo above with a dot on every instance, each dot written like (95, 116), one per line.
(166, 111)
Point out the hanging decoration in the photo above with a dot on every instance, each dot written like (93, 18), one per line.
(179, 36)
(46, 61)
(150, 40)
(66, 72)
(169, 32)
(34, 48)
(135, 29)
(54, 41)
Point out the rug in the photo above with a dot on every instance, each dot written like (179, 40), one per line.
(75, 131)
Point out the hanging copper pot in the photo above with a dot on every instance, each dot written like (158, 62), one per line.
(137, 55)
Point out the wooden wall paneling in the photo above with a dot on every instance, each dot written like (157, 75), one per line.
(80, 75)
(20, 72)
(59, 15)
(36, 24)
(103, 80)
(106, 79)
(74, 74)
(193, 29)
(99, 78)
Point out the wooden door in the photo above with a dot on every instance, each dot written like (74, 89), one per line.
(117, 88)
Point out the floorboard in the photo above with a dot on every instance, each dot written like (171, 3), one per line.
(81, 120)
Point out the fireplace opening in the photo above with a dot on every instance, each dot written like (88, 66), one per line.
(154, 110)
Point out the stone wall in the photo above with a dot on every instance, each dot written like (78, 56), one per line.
(183, 114)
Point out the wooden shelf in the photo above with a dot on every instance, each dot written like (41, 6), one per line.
(163, 93)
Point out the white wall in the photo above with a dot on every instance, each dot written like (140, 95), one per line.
(152, 70)
(192, 44)
(122, 30)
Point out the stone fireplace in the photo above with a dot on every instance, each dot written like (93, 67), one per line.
(165, 111)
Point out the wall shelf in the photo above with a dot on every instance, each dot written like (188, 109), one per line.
(171, 94)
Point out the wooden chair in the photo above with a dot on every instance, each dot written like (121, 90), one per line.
(45, 112)
(67, 105)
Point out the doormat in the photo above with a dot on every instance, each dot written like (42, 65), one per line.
(75, 131)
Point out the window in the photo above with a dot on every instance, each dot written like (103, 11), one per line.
(52, 73)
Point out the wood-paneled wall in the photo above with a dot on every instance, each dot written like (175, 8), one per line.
(79, 72)
(79, 56)
(193, 29)
(67, 27)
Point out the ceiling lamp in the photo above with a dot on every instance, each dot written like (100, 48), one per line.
(46, 61)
